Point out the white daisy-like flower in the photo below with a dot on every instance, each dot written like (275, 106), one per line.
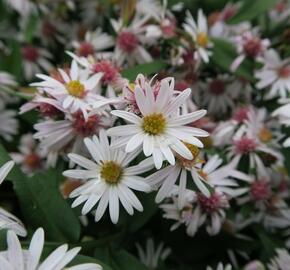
(210, 172)
(94, 43)
(248, 45)
(58, 136)
(196, 211)
(199, 33)
(152, 255)
(30, 156)
(16, 258)
(131, 41)
(7, 220)
(281, 261)
(76, 92)
(283, 114)
(159, 129)
(8, 123)
(280, 12)
(216, 95)
(275, 74)
(109, 179)
(35, 60)
(220, 266)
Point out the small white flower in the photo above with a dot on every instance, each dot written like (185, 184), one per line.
(281, 261)
(94, 43)
(199, 33)
(275, 74)
(8, 123)
(76, 92)
(152, 255)
(131, 41)
(17, 258)
(34, 60)
(159, 130)
(109, 179)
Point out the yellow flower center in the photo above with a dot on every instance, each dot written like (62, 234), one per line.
(265, 135)
(111, 172)
(75, 88)
(202, 39)
(154, 124)
(189, 163)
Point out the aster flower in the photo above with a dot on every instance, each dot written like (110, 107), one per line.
(249, 46)
(281, 261)
(216, 95)
(158, 129)
(7, 84)
(109, 179)
(57, 136)
(111, 78)
(8, 123)
(275, 74)
(35, 60)
(17, 258)
(131, 41)
(76, 92)
(199, 33)
(7, 220)
(30, 156)
(196, 211)
(152, 255)
(94, 43)
(283, 115)
(205, 175)
(280, 12)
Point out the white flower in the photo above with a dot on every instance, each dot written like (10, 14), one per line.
(30, 156)
(77, 92)
(159, 129)
(94, 43)
(109, 179)
(58, 135)
(249, 46)
(131, 41)
(16, 258)
(221, 267)
(34, 60)
(196, 211)
(199, 33)
(152, 255)
(217, 95)
(7, 220)
(8, 123)
(274, 74)
(283, 114)
(281, 261)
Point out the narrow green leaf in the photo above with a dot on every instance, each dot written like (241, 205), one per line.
(42, 204)
(251, 9)
(146, 69)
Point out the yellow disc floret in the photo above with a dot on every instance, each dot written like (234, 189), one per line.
(202, 39)
(154, 124)
(265, 135)
(189, 163)
(111, 172)
(75, 88)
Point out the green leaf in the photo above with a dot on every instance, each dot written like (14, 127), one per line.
(224, 54)
(30, 28)
(251, 9)
(146, 69)
(85, 259)
(122, 260)
(42, 204)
